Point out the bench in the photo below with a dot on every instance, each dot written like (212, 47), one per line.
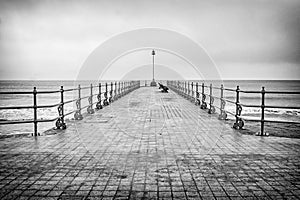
(163, 87)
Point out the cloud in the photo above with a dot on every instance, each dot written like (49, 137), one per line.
(61, 34)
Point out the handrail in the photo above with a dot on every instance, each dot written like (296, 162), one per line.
(112, 92)
(17, 92)
(199, 97)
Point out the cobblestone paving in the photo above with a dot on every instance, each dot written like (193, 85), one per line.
(150, 145)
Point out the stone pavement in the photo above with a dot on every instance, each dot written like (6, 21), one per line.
(150, 145)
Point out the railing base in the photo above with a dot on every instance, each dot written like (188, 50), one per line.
(263, 134)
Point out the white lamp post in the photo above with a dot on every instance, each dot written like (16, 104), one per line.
(153, 83)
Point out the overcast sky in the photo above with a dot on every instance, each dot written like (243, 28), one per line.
(254, 39)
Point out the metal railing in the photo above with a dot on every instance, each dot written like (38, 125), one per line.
(196, 93)
(107, 93)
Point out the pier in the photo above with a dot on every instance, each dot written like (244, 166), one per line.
(146, 144)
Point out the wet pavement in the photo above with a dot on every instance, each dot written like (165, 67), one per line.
(149, 145)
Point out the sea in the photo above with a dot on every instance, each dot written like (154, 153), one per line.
(53, 98)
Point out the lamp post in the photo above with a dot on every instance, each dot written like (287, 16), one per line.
(153, 83)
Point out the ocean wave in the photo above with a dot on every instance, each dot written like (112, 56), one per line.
(248, 110)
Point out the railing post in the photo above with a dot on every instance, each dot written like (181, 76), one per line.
(110, 93)
(197, 101)
(221, 98)
(210, 95)
(90, 109)
(211, 109)
(185, 88)
(223, 114)
(262, 121)
(239, 123)
(203, 103)
(237, 101)
(60, 123)
(99, 105)
(119, 90)
(192, 95)
(35, 112)
(115, 95)
(77, 115)
(188, 90)
(105, 101)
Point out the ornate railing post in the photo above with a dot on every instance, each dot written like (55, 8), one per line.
(203, 103)
(60, 122)
(90, 109)
(99, 105)
(223, 114)
(193, 93)
(105, 101)
(115, 95)
(35, 112)
(262, 121)
(239, 123)
(110, 100)
(185, 89)
(124, 88)
(119, 90)
(188, 90)
(197, 100)
(211, 109)
(77, 114)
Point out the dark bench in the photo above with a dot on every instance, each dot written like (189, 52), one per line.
(163, 87)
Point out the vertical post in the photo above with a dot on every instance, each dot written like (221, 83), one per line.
(98, 105)
(111, 92)
(106, 88)
(62, 103)
(60, 123)
(203, 103)
(91, 103)
(223, 114)
(197, 94)
(115, 90)
(119, 90)
(237, 101)
(153, 54)
(188, 90)
(202, 90)
(184, 88)
(77, 114)
(192, 92)
(210, 111)
(79, 98)
(35, 111)
(99, 86)
(106, 92)
(122, 88)
(262, 121)
(210, 97)
(90, 109)
(221, 98)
